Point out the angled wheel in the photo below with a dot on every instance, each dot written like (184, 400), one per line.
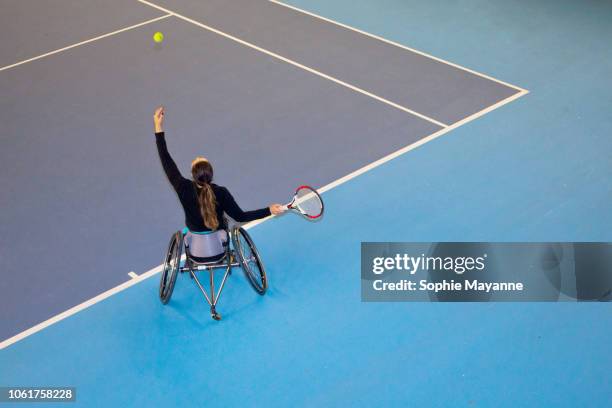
(172, 264)
(249, 259)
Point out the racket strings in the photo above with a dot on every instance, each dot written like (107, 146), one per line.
(308, 202)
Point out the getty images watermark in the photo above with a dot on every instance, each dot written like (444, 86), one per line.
(483, 272)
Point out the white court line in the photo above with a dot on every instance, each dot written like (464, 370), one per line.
(406, 149)
(78, 308)
(133, 274)
(321, 190)
(336, 183)
(296, 64)
(348, 27)
(84, 42)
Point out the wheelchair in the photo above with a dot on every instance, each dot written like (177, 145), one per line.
(218, 254)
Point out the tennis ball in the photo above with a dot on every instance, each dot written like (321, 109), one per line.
(158, 37)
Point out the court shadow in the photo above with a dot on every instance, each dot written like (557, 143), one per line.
(233, 313)
(198, 317)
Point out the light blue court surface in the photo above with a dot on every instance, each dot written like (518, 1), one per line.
(537, 169)
(267, 122)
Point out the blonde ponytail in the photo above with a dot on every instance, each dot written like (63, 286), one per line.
(208, 206)
(202, 173)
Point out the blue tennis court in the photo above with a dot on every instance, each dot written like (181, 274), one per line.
(479, 121)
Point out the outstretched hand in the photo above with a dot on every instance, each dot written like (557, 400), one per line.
(158, 119)
(277, 209)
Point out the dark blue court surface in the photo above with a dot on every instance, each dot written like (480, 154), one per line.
(276, 97)
(31, 28)
(80, 157)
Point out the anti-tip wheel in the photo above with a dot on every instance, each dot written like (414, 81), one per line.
(214, 314)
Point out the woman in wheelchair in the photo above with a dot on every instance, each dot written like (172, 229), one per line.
(206, 239)
(203, 201)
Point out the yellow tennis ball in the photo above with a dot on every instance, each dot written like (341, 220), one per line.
(158, 37)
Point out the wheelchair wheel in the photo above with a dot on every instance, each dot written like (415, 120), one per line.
(172, 264)
(249, 260)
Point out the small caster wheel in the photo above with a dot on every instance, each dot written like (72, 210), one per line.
(214, 314)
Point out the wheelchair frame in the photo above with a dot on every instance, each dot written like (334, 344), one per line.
(232, 257)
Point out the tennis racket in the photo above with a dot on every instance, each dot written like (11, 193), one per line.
(307, 202)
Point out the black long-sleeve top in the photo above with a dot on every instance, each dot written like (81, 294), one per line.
(188, 195)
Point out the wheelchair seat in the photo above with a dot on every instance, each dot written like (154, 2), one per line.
(207, 252)
(206, 247)
(208, 260)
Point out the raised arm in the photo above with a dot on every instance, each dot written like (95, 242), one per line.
(170, 167)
